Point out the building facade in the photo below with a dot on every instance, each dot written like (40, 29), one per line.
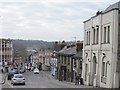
(65, 63)
(69, 63)
(17, 61)
(53, 63)
(77, 64)
(6, 52)
(101, 49)
(45, 57)
(35, 58)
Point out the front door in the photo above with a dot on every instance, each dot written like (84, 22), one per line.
(64, 69)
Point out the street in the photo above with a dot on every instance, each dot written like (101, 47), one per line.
(42, 80)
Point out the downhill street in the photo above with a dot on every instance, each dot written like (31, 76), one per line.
(42, 80)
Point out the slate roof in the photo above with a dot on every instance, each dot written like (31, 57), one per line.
(68, 51)
(113, 6)
(78, 55)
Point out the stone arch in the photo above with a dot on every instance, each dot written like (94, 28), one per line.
(104, 70)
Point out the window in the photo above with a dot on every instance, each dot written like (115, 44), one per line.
(103, 68)
(93, 36)
(75, 64)
(106, 70)
(65, 60)
(108, 34)
(62, 59)
(89, 38)
(104, 34)
(81, 65)
(43, 60)
(94, 65)
(68, 61)
(86, 70)
(97, 37)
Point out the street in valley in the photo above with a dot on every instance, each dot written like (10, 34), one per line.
(42, 80)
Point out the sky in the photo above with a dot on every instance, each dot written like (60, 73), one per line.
(48, 20)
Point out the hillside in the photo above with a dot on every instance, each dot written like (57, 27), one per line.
(21, 46)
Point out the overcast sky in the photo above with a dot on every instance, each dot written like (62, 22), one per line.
(48, 20)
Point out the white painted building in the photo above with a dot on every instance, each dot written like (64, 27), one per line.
(101, 49)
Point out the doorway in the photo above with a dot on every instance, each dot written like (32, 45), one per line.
(64, 71)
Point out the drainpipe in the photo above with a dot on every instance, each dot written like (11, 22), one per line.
(115, 47)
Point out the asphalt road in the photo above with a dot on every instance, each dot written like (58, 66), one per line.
(42, 80)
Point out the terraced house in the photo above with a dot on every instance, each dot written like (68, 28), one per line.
(69, 62)
(101, 54)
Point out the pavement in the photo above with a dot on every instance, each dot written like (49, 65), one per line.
(0, 81)
(70, 84)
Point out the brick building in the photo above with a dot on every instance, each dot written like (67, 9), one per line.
(6, 52)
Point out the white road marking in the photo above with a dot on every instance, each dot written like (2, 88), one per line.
(9, 84)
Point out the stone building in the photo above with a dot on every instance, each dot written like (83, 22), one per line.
(69, 62)
(77, 64)
(101, 49)
(65, 63)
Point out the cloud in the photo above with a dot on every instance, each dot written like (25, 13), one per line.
(47, 19)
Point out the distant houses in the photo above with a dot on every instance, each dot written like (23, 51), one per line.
(46, 59)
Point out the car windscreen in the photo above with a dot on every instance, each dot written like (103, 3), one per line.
(18, 76)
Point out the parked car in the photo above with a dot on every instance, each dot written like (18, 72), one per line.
(32, 68)
(27, 68)
(36, 71)
(18, 79)
(22, 70)
(11, 74)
